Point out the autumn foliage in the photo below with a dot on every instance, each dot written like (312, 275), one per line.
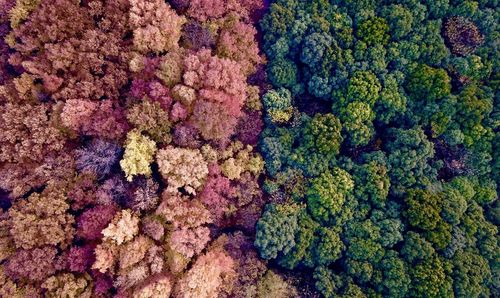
(127, 163)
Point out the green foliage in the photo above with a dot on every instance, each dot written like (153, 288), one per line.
(276, 146)
(424, 209)
(395, 280)
(428, 84)
(473, 106)
(432, 48)
(327, 193)
(392, 102)
(363, 86)
(278, 105)
(357, 119)
(471, 275)
(374, 31)
(412, 133)
(390, 229)
(364, 241)
(429, 279)
(322, 134)
(454, 205)
(440, 236)
(320, 87)
(303, 238)
(276, 230)
(326, 282)
(315, 49)
(399, 19)
(416, 248)
(372, 183)
(276, 22)
(327, 247)
(470, 68)
(408, 159)
(282, 73)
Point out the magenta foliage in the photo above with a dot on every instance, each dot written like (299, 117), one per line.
(158, 92)
(93, 221)
(139, 88)
(145, 196)
(186, 135)
(76, 77)
(216, 193)
(82, 192)
(102, 283)
(80, 258)
(153, 228)
(35, 264)
(153, 89)
(179, 5)
(249, 127)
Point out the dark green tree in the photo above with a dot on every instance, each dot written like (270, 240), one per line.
(374, 31)
(276, 230)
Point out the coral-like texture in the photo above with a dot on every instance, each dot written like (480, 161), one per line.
(41, 220)
(128, 158)
(123, 228)
(184, 168)
(139, 154)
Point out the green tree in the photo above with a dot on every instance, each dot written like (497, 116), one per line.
(304, 239)
(276, 230)
(471, 275)
(454, 205)
(327, 247)
(395, 280)
(277, 21)
(357, 119)
(283, 73)
(374, 31)
(278, 105)
(473, 106)
(326, 282)
(426, 83)
(440, 236)
(327, 193)
(392, 101)
(423, 209)
(372, 183)
(276, 146)
(430, 279)
(407, 160)
(399, 19)
(416, 248)
(363, 86)
(323, 134)
(363, 241)
(315, 49)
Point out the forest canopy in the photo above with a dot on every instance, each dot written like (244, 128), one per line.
(381, 146)
(249, 148)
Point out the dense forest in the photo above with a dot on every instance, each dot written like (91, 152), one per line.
(381, 146)
(249, 148)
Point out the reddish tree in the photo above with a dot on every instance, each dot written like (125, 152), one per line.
(462, 35)
(216, 194)
(35, 264)
(92, 221)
